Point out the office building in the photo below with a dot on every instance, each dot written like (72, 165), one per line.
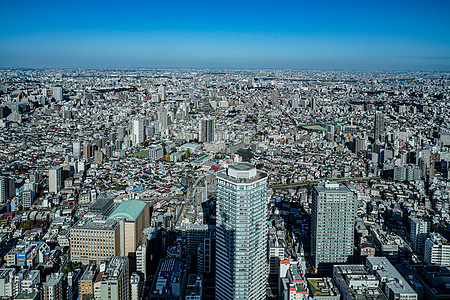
(55, 180)
(379, 127)
(332, 225)
(94, 240)
(138, 131)
(115, 283)
(419, 229)
(207, 130)
(53, 288)
(241, 241)
(133, 216)
(437, 250)
(392, 283)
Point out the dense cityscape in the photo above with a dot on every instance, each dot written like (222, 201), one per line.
(224, 184)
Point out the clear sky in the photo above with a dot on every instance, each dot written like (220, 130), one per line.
(364, 34)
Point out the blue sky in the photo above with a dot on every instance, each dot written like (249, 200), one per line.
(367, 35)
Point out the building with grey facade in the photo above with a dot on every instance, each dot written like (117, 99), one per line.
(332, 225)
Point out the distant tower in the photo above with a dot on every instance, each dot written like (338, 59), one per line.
(76, 150)
(332, 225)
(379, 127)
(58, 92)
(54, 180)
(7, 188)
(241, 244)
(275, 96)
(207, 130)
(313, 104)
(163, 117)
(138, 131)
(162, 92)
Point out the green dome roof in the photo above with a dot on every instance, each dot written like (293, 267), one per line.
(129, 210)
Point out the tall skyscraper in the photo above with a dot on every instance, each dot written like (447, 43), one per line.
(275, 97)
(207, 130)
(76, 150)
(241, 242)
(163, 117)
(138, 131)
(162, 92)
(58, 92)
(379, 127)
(54, 180)
(332, 225)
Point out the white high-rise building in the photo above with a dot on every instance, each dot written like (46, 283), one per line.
(241, 245)
(418, 234)
(76, 150)
(437, 250)
(138, 131)
(162, 92)
(58, 93)
(54, 180)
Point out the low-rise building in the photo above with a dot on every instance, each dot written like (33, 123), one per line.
(392, 283)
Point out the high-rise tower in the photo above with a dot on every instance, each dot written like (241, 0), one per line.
(379, 127)
(332, 225)
(207, 130)
(241, 244)
(138, 131)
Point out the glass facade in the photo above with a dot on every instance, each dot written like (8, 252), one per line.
(241, 251)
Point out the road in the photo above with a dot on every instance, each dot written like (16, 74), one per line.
(301, 184)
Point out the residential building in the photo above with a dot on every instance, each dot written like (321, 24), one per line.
(292, 283)
(115, 283)
(419, 229)
(241, 249)
(332, 225)
(207, 130)
(53, 287)
(437, 250)
(55, 180)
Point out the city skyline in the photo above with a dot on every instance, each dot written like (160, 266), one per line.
(350, 35)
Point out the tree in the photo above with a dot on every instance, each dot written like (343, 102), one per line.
(167, 158)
